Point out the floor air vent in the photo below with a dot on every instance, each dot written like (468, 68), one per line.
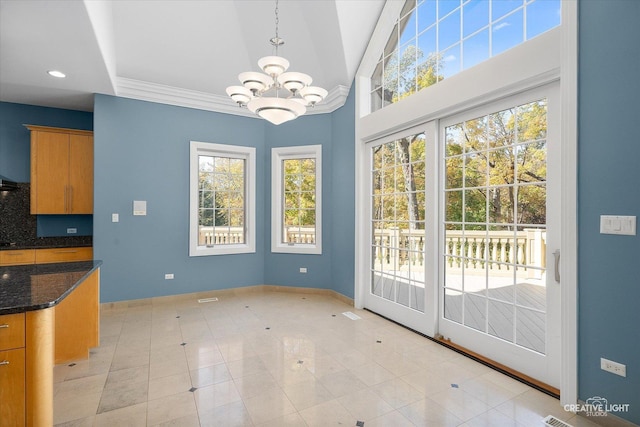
(203, 300)
(551, 421)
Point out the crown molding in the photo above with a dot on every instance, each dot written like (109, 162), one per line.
(171, 95)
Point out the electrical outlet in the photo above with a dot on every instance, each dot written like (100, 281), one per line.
(303, 269)
(613, 367)
(72, 230)
(115, 217)
(168, 276)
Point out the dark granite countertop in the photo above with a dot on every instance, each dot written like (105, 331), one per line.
(37, 286)
(50, 242)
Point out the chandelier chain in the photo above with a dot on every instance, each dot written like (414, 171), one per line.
(277, 20)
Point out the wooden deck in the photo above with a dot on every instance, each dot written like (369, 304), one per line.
(514, 313)
(522, 323)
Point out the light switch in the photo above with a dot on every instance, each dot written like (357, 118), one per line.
(115, 217)
(617, 224)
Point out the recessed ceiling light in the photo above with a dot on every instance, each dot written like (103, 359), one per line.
(56, 73)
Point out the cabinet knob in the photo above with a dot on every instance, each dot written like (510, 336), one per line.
(4, 362)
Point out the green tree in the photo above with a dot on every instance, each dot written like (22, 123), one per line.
(221, 187)
(406, 74)
(402, 78)
(502, 154)
(299, 192)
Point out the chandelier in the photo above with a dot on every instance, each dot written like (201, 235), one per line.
(277, 96)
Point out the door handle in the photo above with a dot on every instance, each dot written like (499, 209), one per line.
(556, 257)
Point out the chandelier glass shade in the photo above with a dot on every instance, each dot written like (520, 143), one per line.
(277, 95)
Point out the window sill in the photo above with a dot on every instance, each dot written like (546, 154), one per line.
(221, 250)
(297, 249)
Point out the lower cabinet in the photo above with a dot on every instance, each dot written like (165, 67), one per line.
(77, 321)
(47, 256)
(12, 370)
(12, 388)
(30, 344)
(17, 257)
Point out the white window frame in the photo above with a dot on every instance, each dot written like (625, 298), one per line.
(222, 150)
(278, 155)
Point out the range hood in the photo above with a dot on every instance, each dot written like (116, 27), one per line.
(6, 184)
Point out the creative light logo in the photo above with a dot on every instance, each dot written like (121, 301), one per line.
(597, 406)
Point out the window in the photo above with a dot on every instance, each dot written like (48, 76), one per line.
(222, 199)
(435, 39)
(296, 208)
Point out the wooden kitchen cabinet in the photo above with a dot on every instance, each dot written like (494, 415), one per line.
(17, 257)
(77, 321)
(12, 370)
(11, 331)
(51, 255)
(45, 255)
(61, 170)
(12, 388)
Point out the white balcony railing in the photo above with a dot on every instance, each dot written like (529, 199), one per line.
(397, 249)
(233, 235)
(220, 236)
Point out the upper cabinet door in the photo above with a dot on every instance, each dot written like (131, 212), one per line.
(61, 171)
(80, 174)
(49, 172)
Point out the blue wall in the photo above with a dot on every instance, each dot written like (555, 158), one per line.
(15, 158)
(343, 195)
(334, 268)
(284, 269)
(142, 153)
(609, 149)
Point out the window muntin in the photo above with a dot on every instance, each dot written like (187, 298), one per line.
(222, 199)
(495, 170)
(435, 39)
(296, 204)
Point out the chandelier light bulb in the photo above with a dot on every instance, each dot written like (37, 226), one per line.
(255, 82)
(313, 94)
(240, 94)
(293, 81)
(273, 65)
(276, 110)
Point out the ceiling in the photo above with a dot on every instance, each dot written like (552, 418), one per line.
(180, 52)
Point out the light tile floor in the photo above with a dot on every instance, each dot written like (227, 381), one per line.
(274, 359)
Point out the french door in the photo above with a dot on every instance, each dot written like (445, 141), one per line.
(464, 230)
(500, 238)
(401, 232)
